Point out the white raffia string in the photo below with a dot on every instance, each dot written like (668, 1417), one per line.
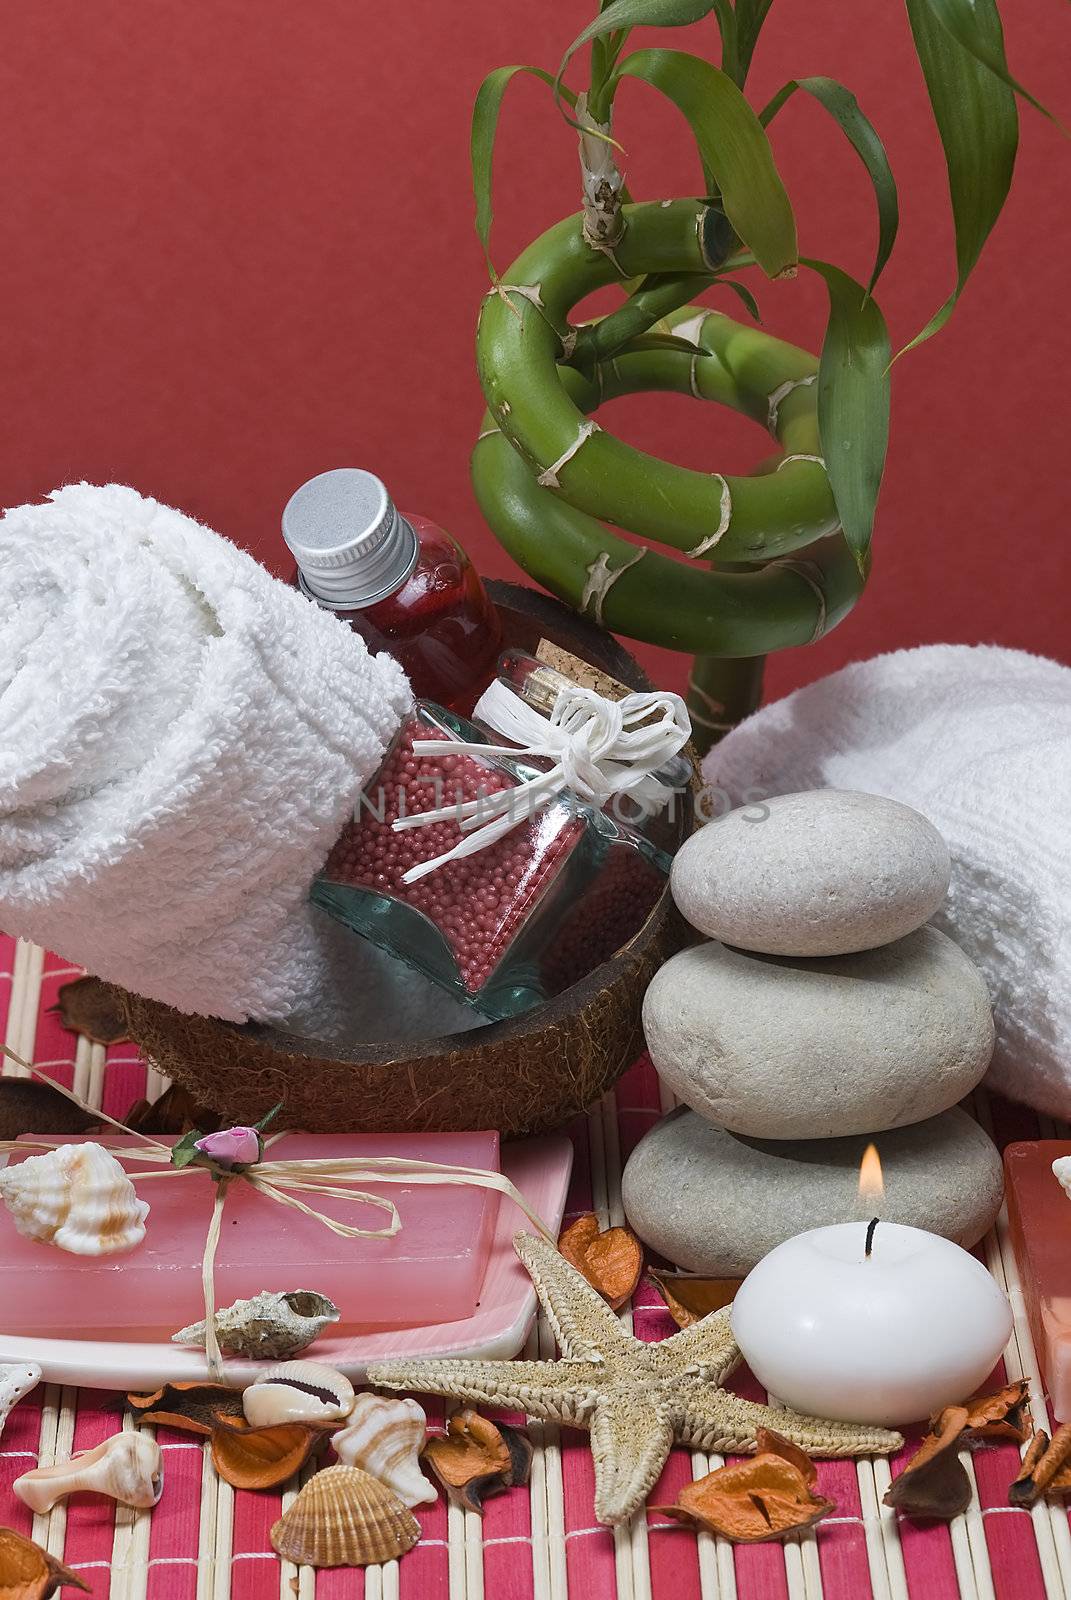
(282, 1181)
(599, 749)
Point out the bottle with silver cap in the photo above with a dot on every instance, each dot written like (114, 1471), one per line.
(398, 580)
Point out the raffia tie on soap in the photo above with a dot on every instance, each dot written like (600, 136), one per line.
(283, 1182)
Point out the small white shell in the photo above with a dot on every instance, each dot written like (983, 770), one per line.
(269, 1327)
(128, 1467)
(16, 1380)
(298, 1391)
(1062, 1170)
(77, 1197)
(385, 1437)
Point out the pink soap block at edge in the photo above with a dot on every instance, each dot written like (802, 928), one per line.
(1040, 1216)
(429, 1272)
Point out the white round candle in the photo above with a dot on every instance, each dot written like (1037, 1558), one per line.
(887, 1338)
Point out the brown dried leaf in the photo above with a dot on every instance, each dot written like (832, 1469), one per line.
(934, 1485)
(88, 1006)
(193, 1407)
(1003, 1415)
(175, 1112)
(473, 1459)
(29, 1573)
(262, 1458)
(1046, 1468)
(689, 1299)
(610, 1259)
(750, 1501)
(27, 1106)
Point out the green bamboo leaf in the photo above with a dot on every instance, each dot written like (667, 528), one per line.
(844, 108)
(733, 145)
(744, 294)
(978, 121)
(971, 28)
(726, 20)
(750, 16)
(627, 14)
(485, 114)
(853, 404)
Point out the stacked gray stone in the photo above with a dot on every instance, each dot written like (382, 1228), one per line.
(822, 1015)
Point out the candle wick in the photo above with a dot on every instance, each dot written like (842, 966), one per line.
(870, 1236)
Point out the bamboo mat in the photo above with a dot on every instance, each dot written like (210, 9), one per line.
(206, 1542)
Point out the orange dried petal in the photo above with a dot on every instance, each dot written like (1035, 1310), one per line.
(193, 1407)
(688, 1298)
(263, 1458)
(473, 1457)
(29, 1573)
(1002, 1415)
(934, 1484)
(610, 1259)
(750, 1501)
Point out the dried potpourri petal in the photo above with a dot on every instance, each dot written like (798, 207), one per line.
(934, 1484)
(175, 1112)
(193, 1407)
(477, 1457)
(263, 1458)
(611, 1259)
(767, 1497)
(29, 1573)
(1003, 1415)
(88, 1006)
(1046, 1468)
(689, 1298)
(27, 1106)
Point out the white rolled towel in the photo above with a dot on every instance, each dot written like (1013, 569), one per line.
(979, 740)
(182, 738)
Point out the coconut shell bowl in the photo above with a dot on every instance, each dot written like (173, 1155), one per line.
(521, 1076)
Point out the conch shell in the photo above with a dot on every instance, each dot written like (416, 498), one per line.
(17, 1378)
(77, 1197)
(269, 1326)
(344, 1517)
(128, 1467)
(298, 1391)
(385, 1437)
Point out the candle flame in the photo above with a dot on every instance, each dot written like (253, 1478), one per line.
(871, 1183)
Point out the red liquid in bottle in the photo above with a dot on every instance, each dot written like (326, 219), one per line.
(440, 625)
(401, 582)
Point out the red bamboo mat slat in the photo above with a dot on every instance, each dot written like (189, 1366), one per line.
(204, 1542)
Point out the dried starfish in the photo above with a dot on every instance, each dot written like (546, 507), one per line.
(637, 1399)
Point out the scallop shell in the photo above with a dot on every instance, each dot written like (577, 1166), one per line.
(385, 1437)
(269, 1326)
(298, 1391)
(344, 1517)
(77, 1197)
(17, 1378)
(128, 1467)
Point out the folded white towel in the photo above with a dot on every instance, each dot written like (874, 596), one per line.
(182, 738)
(979, 740)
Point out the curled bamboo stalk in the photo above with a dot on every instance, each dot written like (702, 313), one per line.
(769, 566)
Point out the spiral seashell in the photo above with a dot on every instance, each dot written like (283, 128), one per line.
(128, 1467)
(298, 1391)
(344, 1517)
(384, 1437)
(269, 1326)
(77, 1197)
(17, 1378)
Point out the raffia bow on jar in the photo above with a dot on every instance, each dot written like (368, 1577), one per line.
(240, 1155)
(597, 750)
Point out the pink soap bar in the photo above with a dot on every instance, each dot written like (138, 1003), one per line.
(431, 1271)
(1040, 1215)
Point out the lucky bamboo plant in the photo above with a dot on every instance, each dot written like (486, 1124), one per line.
(778, 557)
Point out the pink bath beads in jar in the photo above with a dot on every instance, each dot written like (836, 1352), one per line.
(502, 928)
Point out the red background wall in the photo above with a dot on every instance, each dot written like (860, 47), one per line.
(237, 248)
